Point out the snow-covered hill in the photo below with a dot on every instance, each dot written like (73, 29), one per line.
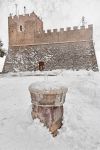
(81, 125)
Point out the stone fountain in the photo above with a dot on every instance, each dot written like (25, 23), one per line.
(47, 103)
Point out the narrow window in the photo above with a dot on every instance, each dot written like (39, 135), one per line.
(21, 28)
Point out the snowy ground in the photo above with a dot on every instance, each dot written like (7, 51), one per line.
(81, 128)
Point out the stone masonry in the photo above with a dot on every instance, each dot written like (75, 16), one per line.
(65, 49)
(69, 55)
(47, 103)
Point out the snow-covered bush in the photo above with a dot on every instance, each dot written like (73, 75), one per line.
(2, 51)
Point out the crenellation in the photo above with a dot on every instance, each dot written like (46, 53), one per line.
(10, 17)
(55, 30)
(42, 36)
(90, 26)
(68, 28)
(61, 36)
(32, 26)
(61, 29)
(82, 27)
(21, 16)
(75, 27)
(27, 15)
(48, 31)
(15, 17)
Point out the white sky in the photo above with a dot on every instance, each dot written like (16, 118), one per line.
(55, 14)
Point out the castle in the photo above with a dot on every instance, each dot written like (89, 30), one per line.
(31, 48)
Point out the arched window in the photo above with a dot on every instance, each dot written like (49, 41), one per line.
(21, 28)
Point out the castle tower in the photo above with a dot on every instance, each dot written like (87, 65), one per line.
(22, 29)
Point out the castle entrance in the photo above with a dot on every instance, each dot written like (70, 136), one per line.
(41, 65)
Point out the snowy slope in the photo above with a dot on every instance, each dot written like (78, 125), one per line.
(81, 128)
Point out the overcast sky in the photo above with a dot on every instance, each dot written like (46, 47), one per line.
(55, 14)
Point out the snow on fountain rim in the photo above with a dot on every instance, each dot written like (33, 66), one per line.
(46, 86)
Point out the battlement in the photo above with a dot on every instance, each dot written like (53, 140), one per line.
(76, 33)
(74, 28)
(28, 29)
(23, 16)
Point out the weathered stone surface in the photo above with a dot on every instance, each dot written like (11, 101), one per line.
(51, 117)
(68, 55)
(47, 104)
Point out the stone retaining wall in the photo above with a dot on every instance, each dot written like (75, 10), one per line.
(68, 55)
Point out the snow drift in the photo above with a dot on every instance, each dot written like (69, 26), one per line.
(81, 125)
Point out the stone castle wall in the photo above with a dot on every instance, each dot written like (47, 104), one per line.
(67, 35)
(30, 24)
(33, 33)
(69, 55)
(29, 44)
